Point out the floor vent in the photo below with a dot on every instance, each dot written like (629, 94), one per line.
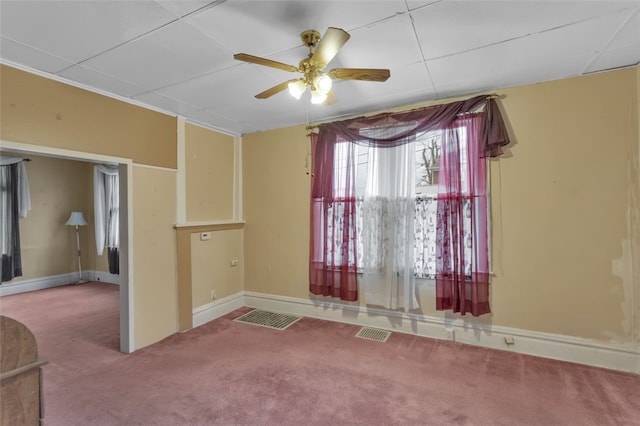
(373, 334)
(268, 319)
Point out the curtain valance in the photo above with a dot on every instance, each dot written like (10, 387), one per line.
(493, 134)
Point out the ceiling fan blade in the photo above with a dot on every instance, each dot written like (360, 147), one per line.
(264, 61)
(332, 40)
(365, 74)
(275, 89)
(331, 98)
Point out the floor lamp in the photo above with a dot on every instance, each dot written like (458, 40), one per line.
(77, 219)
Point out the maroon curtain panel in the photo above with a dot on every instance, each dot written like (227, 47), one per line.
(462, 203)
(461, 229)
(332, 267)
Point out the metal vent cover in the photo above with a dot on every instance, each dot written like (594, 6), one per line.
(373, 334)
(268, 319)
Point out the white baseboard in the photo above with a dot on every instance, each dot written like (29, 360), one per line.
(547, 345)
(22, 286)
(41, 283)
(205, 313)
(102, 276)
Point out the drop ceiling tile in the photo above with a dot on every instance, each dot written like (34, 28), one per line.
(448, 28)
(77, 30)
(183, 7)
(100, 81)
(503, 78)
(413, 5)
(266, 27)
(585, 38)
(256, 109)
(629, 34)
(21, 54)
(175, 53)
(218, 88)
(395, 37)
(214, 121)
(616, 58)
(165, 103)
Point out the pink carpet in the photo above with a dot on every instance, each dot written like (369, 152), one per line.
(313, 373)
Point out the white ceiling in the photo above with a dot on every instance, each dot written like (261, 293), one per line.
(177, 56)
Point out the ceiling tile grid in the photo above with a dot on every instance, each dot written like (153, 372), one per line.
(177, 56)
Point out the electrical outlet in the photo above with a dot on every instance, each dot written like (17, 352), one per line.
(213, 295)
(234, 262)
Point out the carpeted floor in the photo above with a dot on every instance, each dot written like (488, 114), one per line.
(313, 373)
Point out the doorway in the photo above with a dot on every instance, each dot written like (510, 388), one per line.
(125, 252)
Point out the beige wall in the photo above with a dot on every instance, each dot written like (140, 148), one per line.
(562, 211)
(211, 265)
(154, 254)
(57, 188)
(39, 111)
(276, 209)
(210, 168)
(209, 174)
(563, 239)
(50, 114)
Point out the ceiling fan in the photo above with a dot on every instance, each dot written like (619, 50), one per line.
(321, 52)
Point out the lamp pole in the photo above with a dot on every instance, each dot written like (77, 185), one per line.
(79, 262)
(77, 219)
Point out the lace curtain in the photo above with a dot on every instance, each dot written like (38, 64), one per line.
(425, 237)
(461, 283)
(425, 221)
(388, 212)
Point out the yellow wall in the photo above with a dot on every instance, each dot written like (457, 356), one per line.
(563, 238)
(276, 209)
(43, 112)
(562, 234)
(39, 111)
(210, 169)
(211, 265)
(565, 203)
(57, 188)
(154, 254)
(209, 174)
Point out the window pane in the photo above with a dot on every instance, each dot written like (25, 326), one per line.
(427, 162)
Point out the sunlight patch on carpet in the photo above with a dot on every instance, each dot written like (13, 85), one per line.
(373, 334)
(268, 319)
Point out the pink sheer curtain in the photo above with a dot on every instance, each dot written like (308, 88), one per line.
(461, 212)
(332, 266)
(461, 232)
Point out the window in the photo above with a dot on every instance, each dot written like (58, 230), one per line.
(373, 198)
(426, 149)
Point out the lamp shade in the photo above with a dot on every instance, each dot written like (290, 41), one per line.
(76, 218)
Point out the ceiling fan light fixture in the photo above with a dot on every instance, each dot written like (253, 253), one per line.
(297, 88)
(323, 84)
(317, 97)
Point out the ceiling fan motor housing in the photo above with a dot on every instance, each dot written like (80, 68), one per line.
(310, 38)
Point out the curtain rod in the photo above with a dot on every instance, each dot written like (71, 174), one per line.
(347, 117)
